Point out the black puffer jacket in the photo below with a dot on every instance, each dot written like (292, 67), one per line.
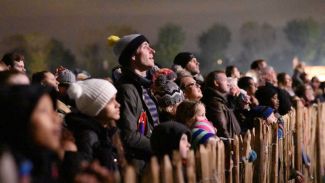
(93, 140)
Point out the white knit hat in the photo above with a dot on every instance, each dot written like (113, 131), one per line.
(91, 95)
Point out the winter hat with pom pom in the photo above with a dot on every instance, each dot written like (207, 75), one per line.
(126, 46)
(91, 95)
(167, 92)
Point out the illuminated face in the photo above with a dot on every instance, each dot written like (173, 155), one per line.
(111, 111)
(46, 124)
(191, 89)
(275, 102)
(19, 66)
(288, 81)
(144, 57)
(200, 114)
(252, 87)
(184, 146)
(222, 83)
(50, 80)
(193, 66)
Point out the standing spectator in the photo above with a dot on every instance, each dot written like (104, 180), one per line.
(170, 136)
(269, 78)
(306, 94)
(139, 114)
(192, 114)
(190, 87)
(65, 78)
(31, 129)
(215, 100)
(256, 66)
(189, 62)
(45, 78)
(14, 61)
(285, 83)
(168, 96)
(94, 126)
(232, 71)
(248, 84)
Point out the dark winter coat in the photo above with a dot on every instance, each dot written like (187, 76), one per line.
(218, 112)
(93, 140)
(137, 144)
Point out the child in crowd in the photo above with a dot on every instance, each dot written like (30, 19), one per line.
(94, 125)
(168, 137)
(268, 96)
(192, 114)
(168, 96)
(31, 129)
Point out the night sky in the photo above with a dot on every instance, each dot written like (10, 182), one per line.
(70, 20)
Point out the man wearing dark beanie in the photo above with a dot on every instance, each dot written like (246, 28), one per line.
(188, 61)
(139, 113)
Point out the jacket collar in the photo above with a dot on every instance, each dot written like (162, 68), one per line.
(135, 78)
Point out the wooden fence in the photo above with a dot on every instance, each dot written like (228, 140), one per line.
(277, 158)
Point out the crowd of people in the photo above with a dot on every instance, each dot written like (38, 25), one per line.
(65, 126)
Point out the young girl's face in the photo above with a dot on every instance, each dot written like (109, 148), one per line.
(46, 124)
(111, 111)
(200, 114)
(184, 146)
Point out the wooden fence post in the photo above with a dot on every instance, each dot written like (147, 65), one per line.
(274, 158)
(190, 167)
(236, 160)
(247, 176)
(130, 175)
(221, 161)
(178, 168)
(153, 175)
(167, 170)
(298, 137)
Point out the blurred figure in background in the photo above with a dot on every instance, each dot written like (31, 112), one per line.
(45, 78)
(12, 77)
(256, 67)
(232, 71)
(285, 83)
(31, 129)
(14, 61)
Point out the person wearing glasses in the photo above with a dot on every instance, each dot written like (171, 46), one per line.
(190, 87)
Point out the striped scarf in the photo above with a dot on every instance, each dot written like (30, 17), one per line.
(151, 106)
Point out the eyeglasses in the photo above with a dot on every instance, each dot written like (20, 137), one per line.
(191, 85)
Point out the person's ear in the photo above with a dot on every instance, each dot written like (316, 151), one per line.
(215, 83)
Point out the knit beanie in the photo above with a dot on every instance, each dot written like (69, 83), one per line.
(91, 95)
(183, 58)
(66, 77)
(166, 137)
(202, 131)
(126, 46)
(265, 93)
(167, 92)
(261, 111)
